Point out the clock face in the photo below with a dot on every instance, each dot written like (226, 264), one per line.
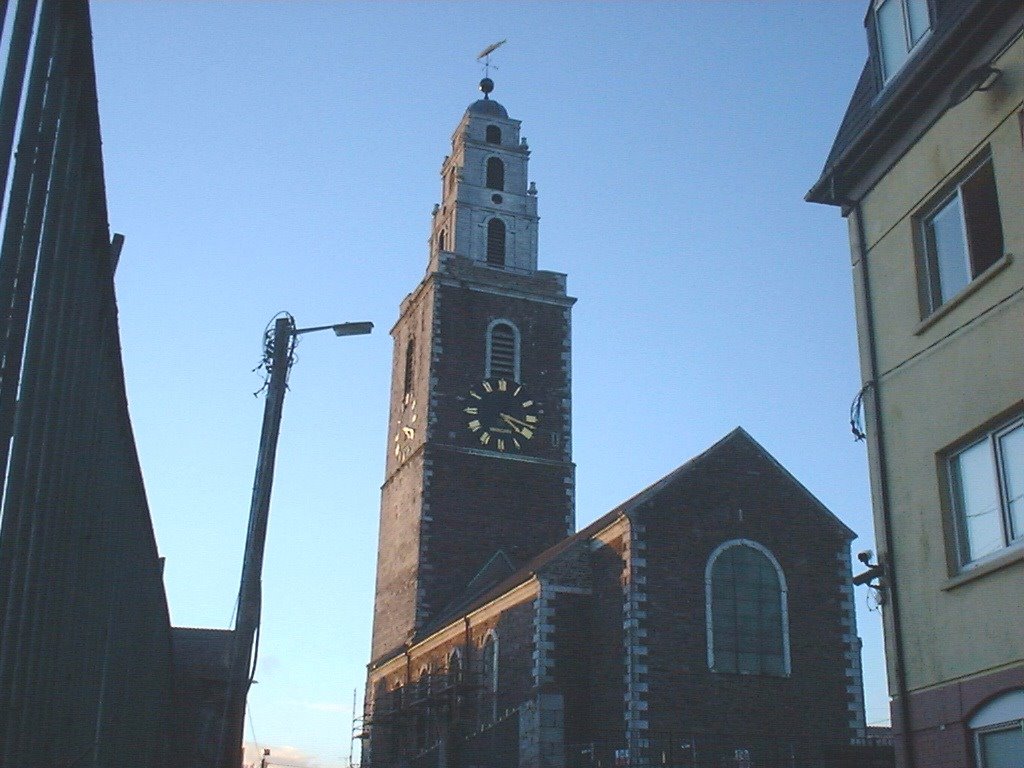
(501, 415)
(406, 428)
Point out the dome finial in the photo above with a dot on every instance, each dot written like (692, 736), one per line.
(486, 86)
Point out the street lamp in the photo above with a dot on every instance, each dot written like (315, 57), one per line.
(278, 356)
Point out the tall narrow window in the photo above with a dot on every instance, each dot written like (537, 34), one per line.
(496, 243)
(455, 667)
(900, 24)
(493, 134)
(495, 173)
(502, 351)
(489, 678)
(746, 611)
(410, 357)
(962, 234)
(440, 240)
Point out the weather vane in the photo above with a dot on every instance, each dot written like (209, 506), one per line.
(485, 54)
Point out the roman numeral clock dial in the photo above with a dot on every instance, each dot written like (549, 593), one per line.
(405, 433)
(501, 415)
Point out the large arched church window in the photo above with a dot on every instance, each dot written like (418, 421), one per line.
(502, 351)
(493, 134)
(496, 243)
(495, 173)
(747, 621)
(489, 678)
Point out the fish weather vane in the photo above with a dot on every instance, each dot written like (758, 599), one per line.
(485, 54)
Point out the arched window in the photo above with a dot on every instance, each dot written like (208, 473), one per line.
(489, 678)
(455, 667)
(496, 243)
(493, 134)
(495, 173)
(440, 240)
(998, 730)
(747, 621)
(410, 358)
(502, 351)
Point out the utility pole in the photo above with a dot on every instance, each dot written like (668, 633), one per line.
(279, 345)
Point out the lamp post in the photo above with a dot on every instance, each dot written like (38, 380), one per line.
(279, 345)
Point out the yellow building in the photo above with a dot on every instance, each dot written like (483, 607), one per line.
(928, 169)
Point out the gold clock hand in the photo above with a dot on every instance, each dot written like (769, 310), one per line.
(510, 421)
(513, 420)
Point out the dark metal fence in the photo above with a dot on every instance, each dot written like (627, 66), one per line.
(84, 631)
(705, 750)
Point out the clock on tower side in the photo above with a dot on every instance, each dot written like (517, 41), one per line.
(396, 606)
(499, 471)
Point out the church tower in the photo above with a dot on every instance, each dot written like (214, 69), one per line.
(479, 475)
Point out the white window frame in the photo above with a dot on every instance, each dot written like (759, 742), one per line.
(1002, 713)
(933, 297)
(516, 340)
(787, 668)
(991, 438)
(888, 70)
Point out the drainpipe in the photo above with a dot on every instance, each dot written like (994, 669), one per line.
(877, 435)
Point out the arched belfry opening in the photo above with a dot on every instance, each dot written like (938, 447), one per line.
(495, 173)
(496, 243)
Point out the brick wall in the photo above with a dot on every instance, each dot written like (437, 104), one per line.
(741, 494)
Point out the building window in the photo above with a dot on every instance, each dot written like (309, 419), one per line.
(998, 731)
(489, 678)
(495, 173)
(962, 235)
(502, 354)
(747, 618)
(987, 491)
(496, 243)
(440, 240)
(493, 134)
(901, 25)
(410, 360)
(455, 667)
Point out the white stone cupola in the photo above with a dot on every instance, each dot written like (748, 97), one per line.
(488, 209)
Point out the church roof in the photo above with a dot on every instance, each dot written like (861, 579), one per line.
(487, 107)
(738, 437)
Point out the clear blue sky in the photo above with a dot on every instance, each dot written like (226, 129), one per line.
(285, 156)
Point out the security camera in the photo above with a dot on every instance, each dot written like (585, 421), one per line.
(865, 556)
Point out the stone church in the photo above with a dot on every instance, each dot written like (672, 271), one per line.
(707, 621)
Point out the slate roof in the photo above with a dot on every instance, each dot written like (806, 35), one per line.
(880, 110)
(534, 566)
